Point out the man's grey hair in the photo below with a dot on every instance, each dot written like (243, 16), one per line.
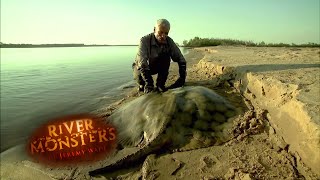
(163, 22)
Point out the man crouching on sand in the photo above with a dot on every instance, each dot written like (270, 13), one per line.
(154, 55)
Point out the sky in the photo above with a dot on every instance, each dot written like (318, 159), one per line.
(126, 21)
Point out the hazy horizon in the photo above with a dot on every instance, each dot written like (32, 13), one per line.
(125, 22)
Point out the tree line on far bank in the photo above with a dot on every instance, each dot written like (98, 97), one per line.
(201, 42)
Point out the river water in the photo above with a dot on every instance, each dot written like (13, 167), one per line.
(38, 84)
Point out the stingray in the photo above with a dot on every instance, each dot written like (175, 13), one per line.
(180, 119)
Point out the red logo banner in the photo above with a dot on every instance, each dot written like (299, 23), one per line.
(72, 139)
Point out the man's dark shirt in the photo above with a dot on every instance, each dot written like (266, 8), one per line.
(159, 56)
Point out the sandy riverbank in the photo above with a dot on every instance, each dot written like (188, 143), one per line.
(276, 137)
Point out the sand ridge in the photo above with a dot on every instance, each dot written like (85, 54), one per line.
(285, 82)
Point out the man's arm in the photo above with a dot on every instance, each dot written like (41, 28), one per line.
(142, 63)
(142, 56)
(177, 56)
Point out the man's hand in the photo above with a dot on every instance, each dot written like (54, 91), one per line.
(161, 89)
(182, 79)
(148, 89)
(179, 83)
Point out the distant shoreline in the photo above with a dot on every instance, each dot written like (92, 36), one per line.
(53, 45)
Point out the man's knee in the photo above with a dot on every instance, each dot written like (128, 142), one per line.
(137, 76)
(136, 73)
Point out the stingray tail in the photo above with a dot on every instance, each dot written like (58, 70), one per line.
(135, 158)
